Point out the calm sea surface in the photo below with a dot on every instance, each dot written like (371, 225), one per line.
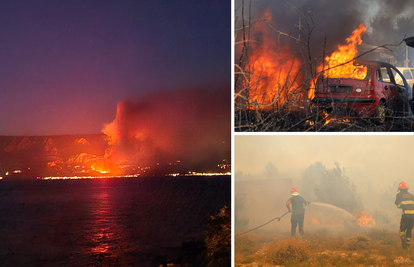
(104, 222)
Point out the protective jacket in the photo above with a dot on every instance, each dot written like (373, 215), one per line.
(405, 201)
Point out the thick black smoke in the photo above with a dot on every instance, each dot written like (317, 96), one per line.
(333, 19)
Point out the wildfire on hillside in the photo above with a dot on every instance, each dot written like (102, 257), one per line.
(165, 132)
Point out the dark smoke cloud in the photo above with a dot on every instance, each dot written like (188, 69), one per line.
(392, 8)
(188, 125)
(335, 19)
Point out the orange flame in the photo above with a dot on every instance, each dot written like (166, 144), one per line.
(274, 72)
(364, 219)
(346, 53)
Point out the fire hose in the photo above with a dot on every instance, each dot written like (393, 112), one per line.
(277, 218)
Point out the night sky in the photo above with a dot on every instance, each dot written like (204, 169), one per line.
(64, 65)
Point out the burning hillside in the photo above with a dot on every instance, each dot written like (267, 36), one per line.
(189, 126)
(163, 133)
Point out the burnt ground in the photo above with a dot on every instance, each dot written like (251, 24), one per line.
(302, 121)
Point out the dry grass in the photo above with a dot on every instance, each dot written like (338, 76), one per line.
(358, 242)
(285, 250)
(369, 247)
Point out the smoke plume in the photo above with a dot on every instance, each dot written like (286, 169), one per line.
(189, 126)
(334, 20)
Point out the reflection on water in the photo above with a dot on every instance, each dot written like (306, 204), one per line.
(119, 222)
(102, 233)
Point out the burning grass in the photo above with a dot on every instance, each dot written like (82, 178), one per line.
(276, 74)
(325, 247)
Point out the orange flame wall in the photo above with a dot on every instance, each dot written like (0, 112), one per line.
(343, 54)
(271, 63)
(274, 73)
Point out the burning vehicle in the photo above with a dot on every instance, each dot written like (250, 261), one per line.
(363, 89)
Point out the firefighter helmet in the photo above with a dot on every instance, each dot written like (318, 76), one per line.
(294, 191)
(402, 185)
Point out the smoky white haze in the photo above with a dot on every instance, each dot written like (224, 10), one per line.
(361, 172)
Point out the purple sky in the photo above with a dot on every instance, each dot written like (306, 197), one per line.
(64, 65)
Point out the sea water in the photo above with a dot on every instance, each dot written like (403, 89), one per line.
(104, 222)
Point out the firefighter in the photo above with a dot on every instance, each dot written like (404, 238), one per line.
(298, 211)
(405, 201)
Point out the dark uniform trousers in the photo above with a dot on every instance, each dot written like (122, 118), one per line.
(406, 225)
(297, 219)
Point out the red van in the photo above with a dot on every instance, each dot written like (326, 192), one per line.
(381, 89)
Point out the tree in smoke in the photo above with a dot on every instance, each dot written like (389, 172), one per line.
(386, 198)
(238, 175)
(336, 189)
(241, 223)
(380, 25)
(310, 177)
(271, 171)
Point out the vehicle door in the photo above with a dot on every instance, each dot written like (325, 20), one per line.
(404, 90)
(386, 85)
(408, 76)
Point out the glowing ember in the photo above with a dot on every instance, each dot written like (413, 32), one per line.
(199, 174)
(364, 219)
(346, 53)
(86, 177)
(327, 119)
(331, 119)
(315, 221)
